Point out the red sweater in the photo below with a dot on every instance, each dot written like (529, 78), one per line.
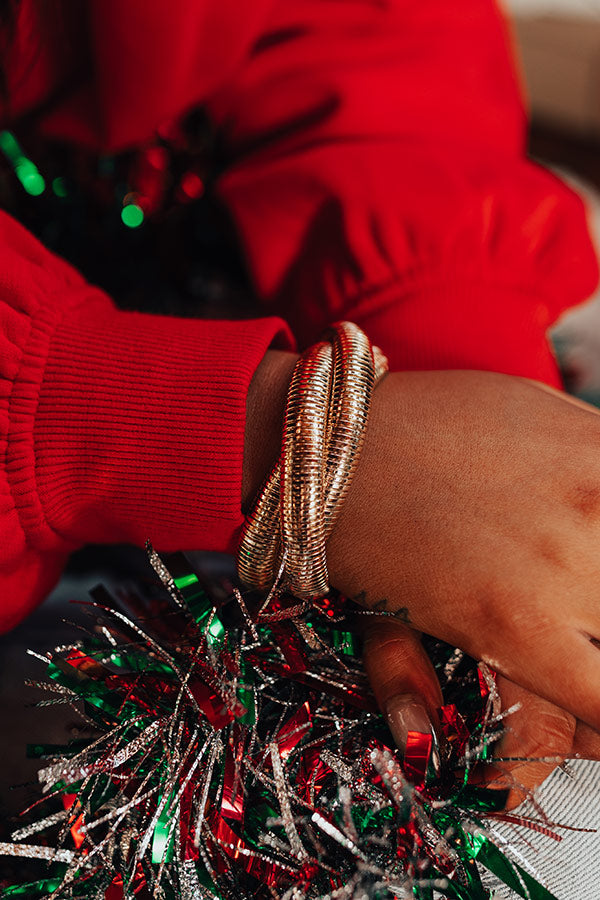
(376, 172)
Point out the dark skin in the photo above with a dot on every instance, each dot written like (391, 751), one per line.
(487, 488)
(539, 735)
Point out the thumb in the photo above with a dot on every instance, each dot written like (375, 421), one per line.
(538, 737)
(403, 679)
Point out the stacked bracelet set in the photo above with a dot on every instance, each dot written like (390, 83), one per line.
(283, 539)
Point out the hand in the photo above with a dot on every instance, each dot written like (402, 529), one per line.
(539, 736)
(475, 516)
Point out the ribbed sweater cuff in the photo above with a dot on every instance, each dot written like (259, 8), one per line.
(139, 429)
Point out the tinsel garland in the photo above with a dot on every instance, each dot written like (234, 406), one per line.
(238, 753)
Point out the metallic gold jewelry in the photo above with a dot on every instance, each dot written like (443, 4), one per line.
(326, 415)
(304, 451)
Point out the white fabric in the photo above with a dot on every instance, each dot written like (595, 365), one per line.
(570, 869)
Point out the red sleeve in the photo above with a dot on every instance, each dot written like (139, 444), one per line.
(114, 426)
(377, 171)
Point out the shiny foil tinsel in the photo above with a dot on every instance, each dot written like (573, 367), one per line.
(238, 753)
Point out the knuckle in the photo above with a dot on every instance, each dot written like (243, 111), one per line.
(529, 626)
(584, 498)
(394, 642)
(552, 551)
(394, 656)
(553, 735)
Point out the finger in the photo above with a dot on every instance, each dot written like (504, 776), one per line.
(586, 744)
(403, 679)
(563, 667)
(538, 737)
(576, 669)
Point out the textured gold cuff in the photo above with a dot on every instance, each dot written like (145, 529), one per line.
(326, 415)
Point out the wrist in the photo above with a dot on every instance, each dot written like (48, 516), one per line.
(363, 494)
(327, 408)
(265, 409)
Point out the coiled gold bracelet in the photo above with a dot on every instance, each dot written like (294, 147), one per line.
(326, 415)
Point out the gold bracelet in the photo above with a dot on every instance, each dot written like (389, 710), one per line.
(354, 378)
(326, 414)
(304, 450)
(259, 552)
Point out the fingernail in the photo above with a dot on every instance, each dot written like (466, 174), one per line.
(405, 713)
